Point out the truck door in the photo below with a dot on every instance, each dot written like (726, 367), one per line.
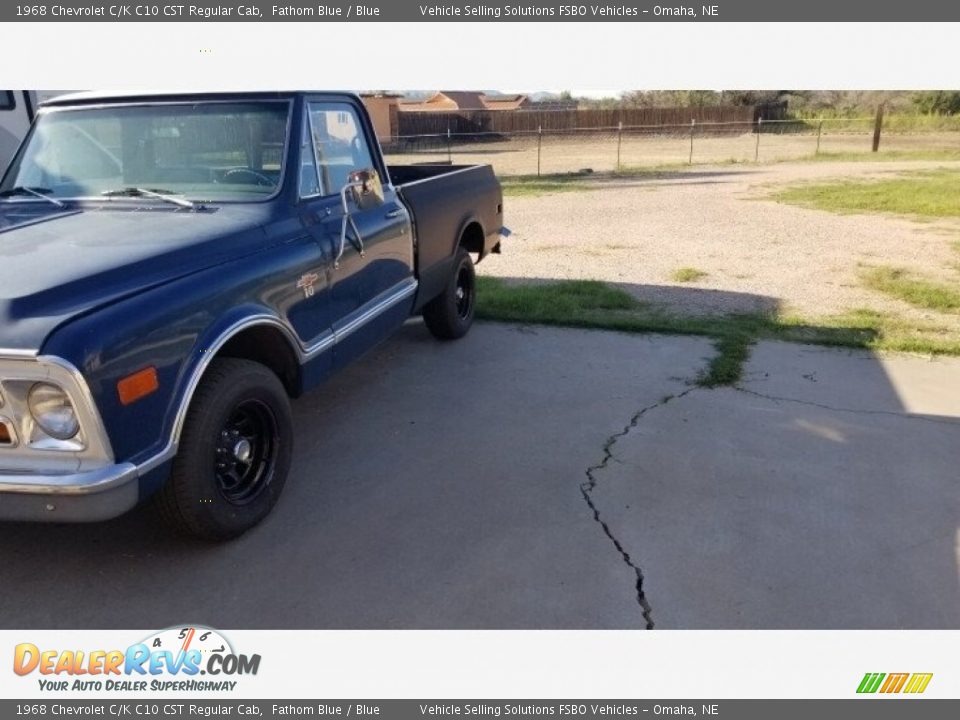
(372, 283)
(313, 314)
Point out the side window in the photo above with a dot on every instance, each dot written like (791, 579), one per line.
(339, 142)
(309, 181)
(7, 100)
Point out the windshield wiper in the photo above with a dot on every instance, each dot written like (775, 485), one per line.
(164, 195)
(40, 192)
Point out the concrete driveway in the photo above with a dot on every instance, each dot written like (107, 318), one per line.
(541, 478)
(823, 492)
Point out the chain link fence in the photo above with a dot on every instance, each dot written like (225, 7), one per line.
(623, 148)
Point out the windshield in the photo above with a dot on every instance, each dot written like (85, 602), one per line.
(207, 152)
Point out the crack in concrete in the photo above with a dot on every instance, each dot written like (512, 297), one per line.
(590, 485)
(832, 408)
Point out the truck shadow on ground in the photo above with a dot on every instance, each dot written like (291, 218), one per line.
(439, 485)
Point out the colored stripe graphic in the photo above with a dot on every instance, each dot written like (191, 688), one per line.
(918, 682)
(870, 682)
(894, 683)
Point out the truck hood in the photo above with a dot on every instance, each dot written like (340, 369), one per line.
(56, 264)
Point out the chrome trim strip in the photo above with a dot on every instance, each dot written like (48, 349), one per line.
(210, 353)
(386, 300)
(157, 460)
(17, 354)
(326, 341)
(389, 299)
(81, 483)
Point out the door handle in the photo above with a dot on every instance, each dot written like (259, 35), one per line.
(395, 213)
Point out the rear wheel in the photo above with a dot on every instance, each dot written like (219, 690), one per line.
(234, 453)
(450, 315)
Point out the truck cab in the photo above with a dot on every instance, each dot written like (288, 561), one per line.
(175, 268)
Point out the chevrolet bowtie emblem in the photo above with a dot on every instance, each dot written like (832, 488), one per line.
(306, 283)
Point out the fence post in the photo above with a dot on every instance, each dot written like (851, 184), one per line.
(877, 126)
(619, 142)
(693, 125)
(756, 153)
(819, 133)
(539, 145)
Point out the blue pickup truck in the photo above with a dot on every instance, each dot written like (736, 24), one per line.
(174, 268)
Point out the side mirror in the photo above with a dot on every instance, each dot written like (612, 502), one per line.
(366, 188)
(366, 191)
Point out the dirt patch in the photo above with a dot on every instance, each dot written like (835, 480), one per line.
(758, 255)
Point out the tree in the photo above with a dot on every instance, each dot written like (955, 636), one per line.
(938, 102)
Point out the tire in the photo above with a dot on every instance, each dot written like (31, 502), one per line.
(234, 453)
(450, 315)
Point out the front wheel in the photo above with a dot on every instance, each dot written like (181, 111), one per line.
(450, 315)
(234, 453)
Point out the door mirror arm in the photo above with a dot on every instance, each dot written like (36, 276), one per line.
(348, 220)
(364, 188)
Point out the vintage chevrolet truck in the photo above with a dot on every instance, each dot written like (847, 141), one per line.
(175, 267)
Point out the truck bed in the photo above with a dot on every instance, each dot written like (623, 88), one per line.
(443, 200)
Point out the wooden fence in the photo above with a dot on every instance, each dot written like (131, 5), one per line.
(507, 122)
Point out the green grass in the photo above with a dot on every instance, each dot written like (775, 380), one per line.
(902, 284)
(883, 156)
(533, 186)
(932, 194)
(597, 305)
(687, 274)
(892, 122)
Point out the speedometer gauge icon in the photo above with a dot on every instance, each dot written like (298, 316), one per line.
(183, 638)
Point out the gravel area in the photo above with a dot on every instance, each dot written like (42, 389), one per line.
(758, 254)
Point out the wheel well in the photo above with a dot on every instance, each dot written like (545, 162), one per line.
(472, 238)
(267, 346)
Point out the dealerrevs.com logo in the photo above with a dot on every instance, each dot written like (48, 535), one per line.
(178, 659)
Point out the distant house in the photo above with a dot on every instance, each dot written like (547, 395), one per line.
(506, 102)
(464, 100)
(463, 111)
(382, 107)
(445, 101)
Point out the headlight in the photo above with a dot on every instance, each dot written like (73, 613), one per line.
(53, 412)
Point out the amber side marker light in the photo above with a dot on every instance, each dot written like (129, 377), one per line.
(137, 386)
(5, 438)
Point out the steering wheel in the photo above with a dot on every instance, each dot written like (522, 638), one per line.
(259, 177)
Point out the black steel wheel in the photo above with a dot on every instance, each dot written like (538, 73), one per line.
(246, 455)
(450, 315)
(234, 454)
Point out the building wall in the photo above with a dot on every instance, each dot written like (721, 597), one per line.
(383, 114)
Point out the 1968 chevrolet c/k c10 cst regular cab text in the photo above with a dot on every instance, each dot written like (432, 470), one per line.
(173, 268)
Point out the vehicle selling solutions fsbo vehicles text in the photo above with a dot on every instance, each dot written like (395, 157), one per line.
(497, 11)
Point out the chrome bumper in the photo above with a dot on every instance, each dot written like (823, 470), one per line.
(81, 497)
